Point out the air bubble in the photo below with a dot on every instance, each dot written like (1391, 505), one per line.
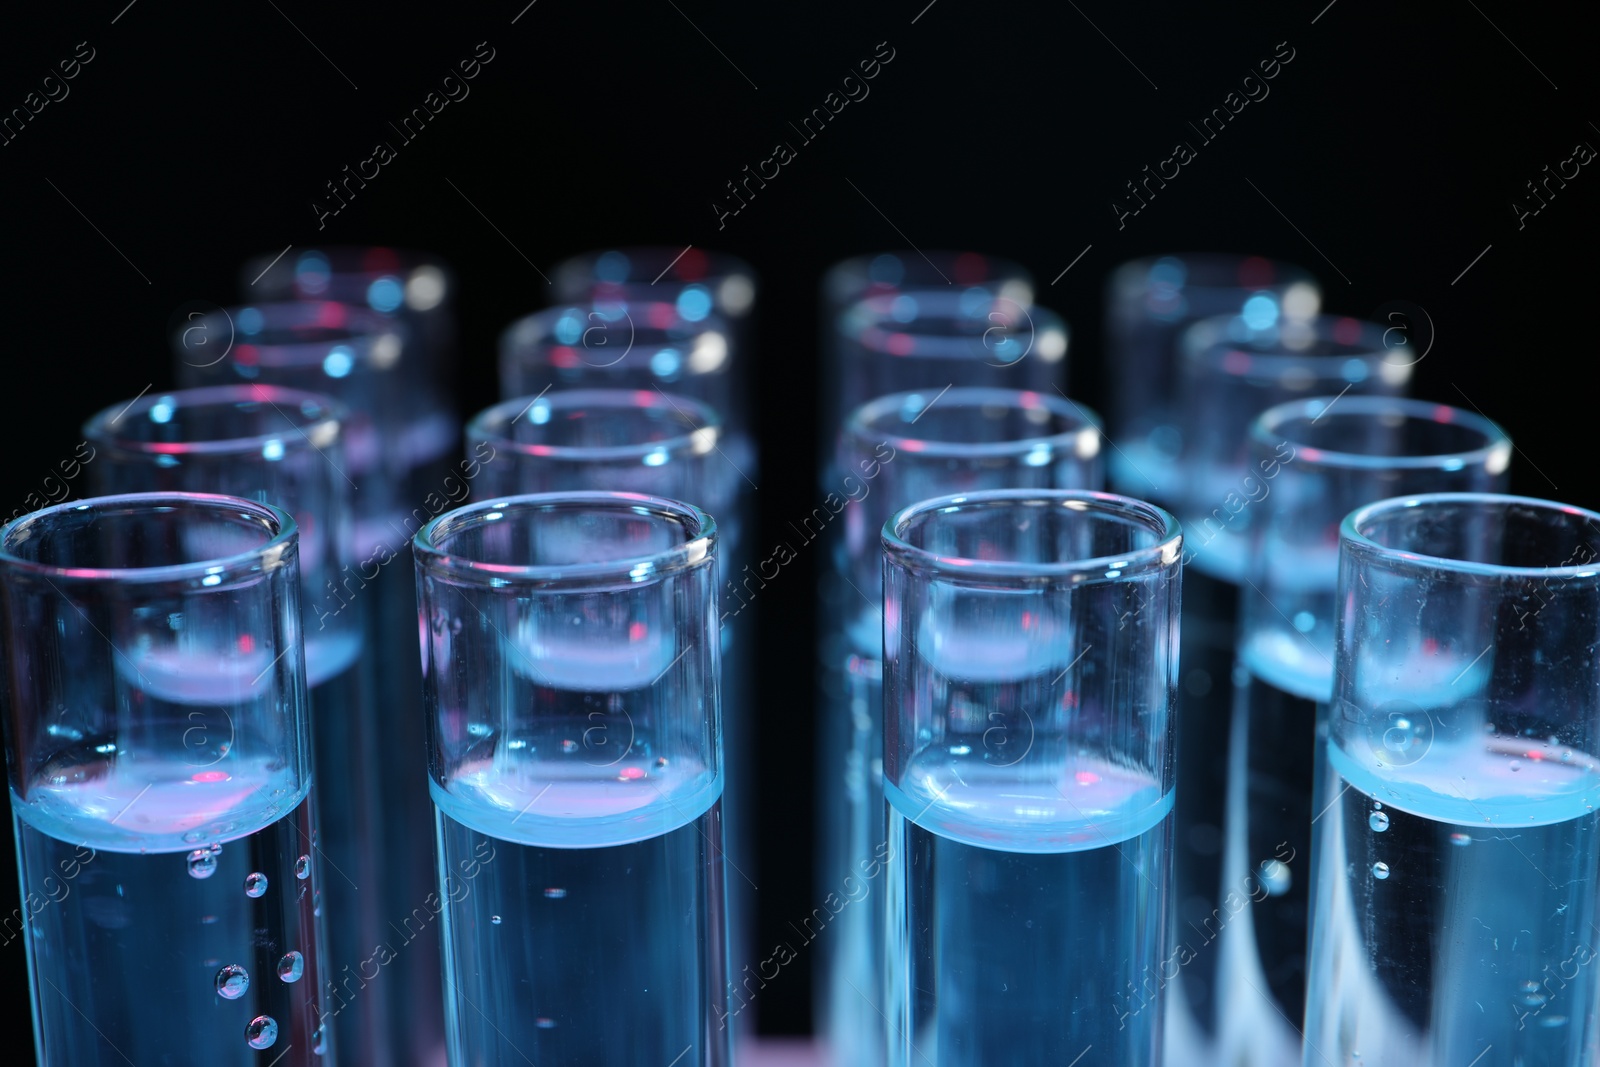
(569, 746)
(255, 884)
(291, 967)
(262, 1031)
(302, 868)
(1380, 870)
(554, 893)
(232, 981)
(1378, 821)
(1532, 995)
(544, 1023)
(1516, 765)
(1275, 877)
(1460, 840)
(319, 1042)
(203, 862)
(495, 919)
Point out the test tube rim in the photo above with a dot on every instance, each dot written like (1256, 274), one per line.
(1496, 447)
(280, 547)
(1164, 553)
(1354, 542)
(318, 432)
(373, 325)
(565, 271)
(858, 430)
(706, 431)
(698, 550)
(1127, 275)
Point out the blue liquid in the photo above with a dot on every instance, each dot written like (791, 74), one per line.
(350, 846)
(1456, 908)
(1204, 717)
(127, 949)
(1002, 952)
(1262, 942)
(851, 969)
(581, 886)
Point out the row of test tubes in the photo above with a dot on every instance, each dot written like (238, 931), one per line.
(1329, 805)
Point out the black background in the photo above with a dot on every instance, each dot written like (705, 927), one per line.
(1396, 141)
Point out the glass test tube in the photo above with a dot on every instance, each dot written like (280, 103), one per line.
(1457, 868)
(282, 446)
(361, 358)
(895, 451)
(1233, 367)
(1149, 303)
(160, 769)
(1030, 643)
(412, 287)
(933, 338)
(576, 768)
(1315, 461)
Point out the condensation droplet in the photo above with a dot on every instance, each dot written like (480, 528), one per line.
(1460, 840)
(1378, 821)
(292, 966)
(302, 868)
(569, 746)
(545, 1024)
(554, 893)
(262, 1031)
(1516, 765)
(1380, 870)
(203, 862)
(1532, 995)
(495, 919)
(232, 981)
(255, 884)
(319, 1042)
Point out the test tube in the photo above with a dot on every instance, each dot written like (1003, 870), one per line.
(158, 750)
(638, 441)
(929, 339)
(1030, 650)
(1315, 461)
(576, 768)
(360, 357)
(414, 288)
(1234, 367)
(895, 451)
(1149, 303)
(1456, 866)
(888, 274)
(282, 446)
(695, 281)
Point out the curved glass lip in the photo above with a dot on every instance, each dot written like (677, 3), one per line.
(315, 432)
(859, 431)
(630, 570)
(1164, 554)
(719, 265)
(1286, 274)
(865, 324)
(536, 331)
(339, 256)
(1350, 534)
(1494, 453)
(363, 327)
(283, 534)
(701, 438)
(1215, 351)
(846, 281)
